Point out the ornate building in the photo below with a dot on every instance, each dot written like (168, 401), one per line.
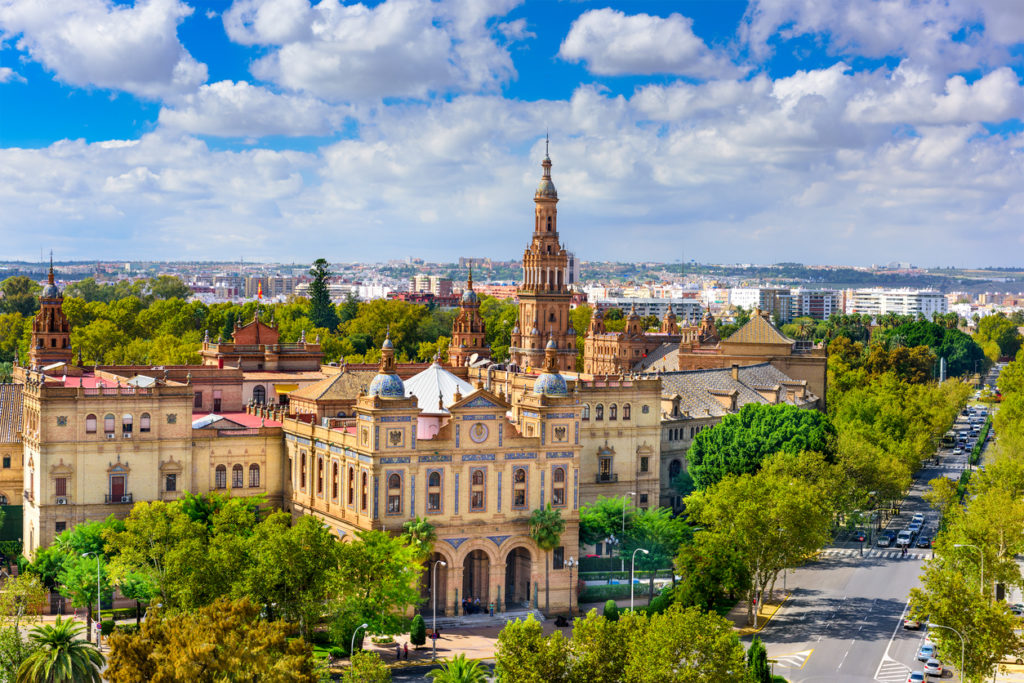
(468, 332)
(613, 353)
(51, 331)
(544, 297)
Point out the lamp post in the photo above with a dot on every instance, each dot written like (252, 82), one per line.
(632, 566)
(981, 585)
(352, 645)
(962, 644)
(570, 563)
(622, 560)
(433, 591)
(99, 614)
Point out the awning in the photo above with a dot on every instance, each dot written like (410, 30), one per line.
(285, 388)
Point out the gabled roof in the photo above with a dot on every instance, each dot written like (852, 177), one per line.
(434, 385)
(759, 331)
(342, 386)
(10, 412)
(697, 388)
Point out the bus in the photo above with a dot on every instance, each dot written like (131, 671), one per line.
(949, 439)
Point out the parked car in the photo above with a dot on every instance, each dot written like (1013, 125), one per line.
(925, 652)
(933, 667)
(911, 624)
(915, 677)
(924, 541)
(885, 539)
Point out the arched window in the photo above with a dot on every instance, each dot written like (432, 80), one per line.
(320, 476)
(365, 492)
(259, 394)
(126, 423)
(585, 413)
(674, 468)
(613, 412)
(302, 471)
(394, 494)
(108, 423)
(334, 480)
(558, 486)
(254, 476)
(434, 492)
(519, 487)
(220, 479)
(599, 412)
(90, 424)
(476, 491)
(236, 476)
(144, 422)
(3, 499)
(626, 411)
(351, 486)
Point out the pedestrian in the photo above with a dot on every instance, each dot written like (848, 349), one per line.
(398, 652)
(407, 651)
(437, 634)
(490, 608)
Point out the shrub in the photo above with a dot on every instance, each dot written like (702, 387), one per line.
(612, 592)
(418, 631)
(337, 652)
(611, 610)
(129, 629)
(107, 627)
(320, 638)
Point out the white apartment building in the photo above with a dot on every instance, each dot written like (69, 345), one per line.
(819, 304)
(687, 311)
(878, 301)
(774, 300)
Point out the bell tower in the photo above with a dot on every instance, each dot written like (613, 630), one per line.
(51, 331)
(544, 295)
(468, 331)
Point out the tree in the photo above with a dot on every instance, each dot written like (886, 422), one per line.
(546, 528)
(376, 581)
(611, 610)
(169, 287)
(61, 656)
(459, 670)
(960, 351)
(80, 578)
(600, 647)
(757, 662)
(21, 295)
(605, 517)
(941, 495)
(321, 310)
(420, 535)
(224, 641)
(739, 443)
(418, 631)
(14, 650)
(524, 655)
(140, 587)
(1001, 331)
(366, 667)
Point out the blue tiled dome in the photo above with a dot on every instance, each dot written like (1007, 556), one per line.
(546, 188)
(470, 297)
(551, 384)
(387, 386)
(50, 291)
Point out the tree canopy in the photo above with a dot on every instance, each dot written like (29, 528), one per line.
(960, 350)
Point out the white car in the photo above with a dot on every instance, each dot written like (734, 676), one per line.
(958, 451)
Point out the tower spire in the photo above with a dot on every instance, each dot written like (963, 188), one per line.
(49, 278)
(469, 280)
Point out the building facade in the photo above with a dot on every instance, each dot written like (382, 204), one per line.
(469, 335)
(875, 302)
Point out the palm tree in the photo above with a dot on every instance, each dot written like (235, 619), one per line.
(546, 527)
(459, 670)
(420, 535)
(61, 656)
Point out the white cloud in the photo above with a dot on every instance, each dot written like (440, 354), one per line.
(9, 75)
(94, 43)
(613, 43)
(398, 48)
(231, 109)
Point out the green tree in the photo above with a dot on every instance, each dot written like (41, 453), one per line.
(757, 662)
(418, 631)
(377, 580)
(14, 650)
(524, 655)
(546, 528)
(739, 443)
(21, 295)
(321, 310)
(140, 587)
(611, 610)
(459, 670)
(78, 582)
(600, 647)
(605, 517)
(366, 667)
(961, 352)
(1001, 331)
(420, 535)
(60, 656)
(169, 287)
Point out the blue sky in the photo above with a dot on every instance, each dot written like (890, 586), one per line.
(820, 131)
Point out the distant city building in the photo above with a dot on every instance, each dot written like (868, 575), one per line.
(819, 304)
(774, 301)
(498, 290)
(688, 311)
(465, 262)
(879, 301)
(430, 284)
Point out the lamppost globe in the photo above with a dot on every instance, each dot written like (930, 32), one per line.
(352, 645)
(433, 593)
(632, 567)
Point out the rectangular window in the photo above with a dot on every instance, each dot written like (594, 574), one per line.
(61, 486)
(643, 464)
(558, 486)
(558, 558)
(197, 400)
(320, 477)
(477, 488)
(643, 500)
(519, 488)
(171, 483)
(90, 424)
(216, 405)
(144, 422)
(435, 482)
(302, 471)
(7, 462)
(108, 424)
(236, 477)
(60, 527)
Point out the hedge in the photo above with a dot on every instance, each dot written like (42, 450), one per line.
(612, 592)
(979, 445)
(624, 576)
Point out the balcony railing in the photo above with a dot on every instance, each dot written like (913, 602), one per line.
(607, 478)
(117, 500)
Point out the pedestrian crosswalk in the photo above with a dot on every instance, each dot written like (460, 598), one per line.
(891, 671)
(890, 553)
(794, 660)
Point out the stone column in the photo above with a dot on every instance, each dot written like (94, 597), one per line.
(454, 589)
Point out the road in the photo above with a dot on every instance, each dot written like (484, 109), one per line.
(844, 619)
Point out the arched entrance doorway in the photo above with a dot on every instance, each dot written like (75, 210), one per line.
(428, 583)
(475, 570)
(517, 579)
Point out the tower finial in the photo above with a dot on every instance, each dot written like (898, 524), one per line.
(547, 143)
(469, 281)
(49, 278)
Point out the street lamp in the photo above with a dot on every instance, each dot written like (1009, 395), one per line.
(570, 563)
(99, 614)
(622, 560)
(433, 591)
(981, 585)
(962, 644)
(632, 565)
(352, 645)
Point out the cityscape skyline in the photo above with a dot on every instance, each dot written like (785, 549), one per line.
(734, 132)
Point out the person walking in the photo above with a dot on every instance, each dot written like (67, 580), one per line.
(406, 646)
(398, 652)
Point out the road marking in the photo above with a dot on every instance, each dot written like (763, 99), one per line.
(891, 671)
(888, 663)
(795, 660)
(889, 554)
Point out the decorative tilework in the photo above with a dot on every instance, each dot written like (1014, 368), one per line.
(470, 418)
(62, 420)
(455, 542)
(520, 456)
(498, 540)
(561, 416)
(364, 458)
(577, 433)
(434, 458)
(481, 402)
(322, 444)
(530, 413)
(297, 439)
(499, 490)
(575, 489)
(337, 449)
(376, 487)
(542, 488)
(543, 431)
(558, 454)
(395, 460)
(366, 418)
(501, 433)
(412, 438)
(172, 418)
(412, 495)
(475, 457)
(456, 495)
(376, 438)
(456, 434)
(395, 418)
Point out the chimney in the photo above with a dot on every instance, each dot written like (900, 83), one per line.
(736, 371)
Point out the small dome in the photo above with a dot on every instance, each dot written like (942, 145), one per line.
(551, 344)
(550, 384)
(387, 344)
(50, 291)
(546, 188)
(387, 386)
(470, 297)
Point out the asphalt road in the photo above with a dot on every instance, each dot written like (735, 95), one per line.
(844, 620)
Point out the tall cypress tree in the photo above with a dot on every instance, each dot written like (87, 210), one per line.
(321, 310)
(757, 662)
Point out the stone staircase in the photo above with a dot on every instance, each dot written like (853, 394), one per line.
(480, 620)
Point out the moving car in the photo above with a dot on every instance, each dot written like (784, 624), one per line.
(924, 541)
(885, 539)
(958, 451)
(904, 538)
(933, 667)
(916, 677)
(911, 624)
(919, 517)
(859, 536)
(925, 652)
(914, 527)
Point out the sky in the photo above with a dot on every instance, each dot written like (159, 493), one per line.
(722, 131)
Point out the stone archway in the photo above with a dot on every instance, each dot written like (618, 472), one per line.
(476, 570)
(518, 568)
(428, 583)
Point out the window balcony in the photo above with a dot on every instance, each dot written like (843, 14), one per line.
(607, 478)
(117, 500)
